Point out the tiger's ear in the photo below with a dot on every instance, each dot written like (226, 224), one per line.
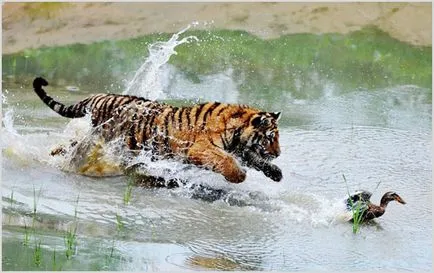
(276, 115)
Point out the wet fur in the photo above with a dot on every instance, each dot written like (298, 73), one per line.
(212, 135)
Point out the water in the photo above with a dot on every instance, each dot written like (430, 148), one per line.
(147, 82)
(380, 139)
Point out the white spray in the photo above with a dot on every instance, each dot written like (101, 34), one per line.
(147, 82)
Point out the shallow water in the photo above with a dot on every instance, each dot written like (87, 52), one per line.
(379, 139)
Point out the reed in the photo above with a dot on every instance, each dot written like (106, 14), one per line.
(70, 243)
(37, 254)
(35, 205)
(356, 210)
(11, 204)
(54, 265)
(112, 248)
(26, 235)
(119, 224)
(128, 191)
(119, 228)
(29, 231)
(71, 234)
(12, 198)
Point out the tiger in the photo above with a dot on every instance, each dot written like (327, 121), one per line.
(217, 136)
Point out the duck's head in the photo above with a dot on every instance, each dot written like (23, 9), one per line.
(391, 196)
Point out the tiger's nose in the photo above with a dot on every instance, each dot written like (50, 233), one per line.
(277, 152)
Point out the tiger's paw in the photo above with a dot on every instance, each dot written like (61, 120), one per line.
(58, 151)
(273, 172)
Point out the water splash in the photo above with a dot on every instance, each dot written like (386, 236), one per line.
(8, 122)
(4, 99)
(14, 145)
(147, 82)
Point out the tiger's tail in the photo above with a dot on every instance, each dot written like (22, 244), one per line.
(73, 111)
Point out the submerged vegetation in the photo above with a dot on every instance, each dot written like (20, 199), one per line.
(128, 191)
(35, 256)
(71, 235)
(368, 59)
(26, 238)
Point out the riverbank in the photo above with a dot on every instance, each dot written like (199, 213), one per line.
(34, 25)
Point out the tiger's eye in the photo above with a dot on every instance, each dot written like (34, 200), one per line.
(270, 135)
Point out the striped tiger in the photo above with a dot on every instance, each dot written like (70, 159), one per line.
(212, 135)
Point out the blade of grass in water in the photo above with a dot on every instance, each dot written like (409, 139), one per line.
(37, 256)
(71, 234)
(128, 191)
(356, 209)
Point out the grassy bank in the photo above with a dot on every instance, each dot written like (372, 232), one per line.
(297, 63)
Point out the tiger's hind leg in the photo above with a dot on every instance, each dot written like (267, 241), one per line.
(204, 153)
(139, 177)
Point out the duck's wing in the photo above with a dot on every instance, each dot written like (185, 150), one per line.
(359, 199)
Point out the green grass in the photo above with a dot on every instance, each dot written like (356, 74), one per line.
(119, 224)
(357, 216)
(128, 192)
(119, 229)
(71, 234)
(37, 256)
(37, 253)
(35, 205)
(30, 254)
(12, 198)
(11, 203)
(26, 235)
(29, 231)
(368, 58)
(54, 264)
(356, 210)
(70, 242)
(112, 249)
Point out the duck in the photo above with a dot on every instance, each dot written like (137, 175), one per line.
(361, 201)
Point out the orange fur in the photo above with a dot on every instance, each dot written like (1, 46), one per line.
(213, 135)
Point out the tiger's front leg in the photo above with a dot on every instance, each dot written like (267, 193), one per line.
(270, 170)
(204, 153)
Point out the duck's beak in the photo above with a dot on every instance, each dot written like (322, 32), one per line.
(399, 199)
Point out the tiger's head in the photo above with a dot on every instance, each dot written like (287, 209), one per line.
(262, 135)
